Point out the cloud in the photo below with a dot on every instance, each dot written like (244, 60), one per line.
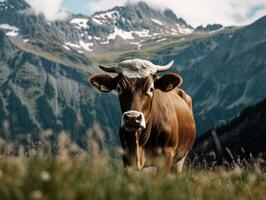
(196, 12)
(51, 9)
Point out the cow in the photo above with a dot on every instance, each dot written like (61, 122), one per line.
(157, 125)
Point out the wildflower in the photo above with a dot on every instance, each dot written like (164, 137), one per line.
(45, 176)
(252, 178)
(237, 171)
(37, 194)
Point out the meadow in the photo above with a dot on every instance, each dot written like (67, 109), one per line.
(67, 172)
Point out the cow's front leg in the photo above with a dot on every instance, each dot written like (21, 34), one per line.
(180, 163)
(134, 159)
(127, 161)
(129, 149)
(133, 151)
(168, 159)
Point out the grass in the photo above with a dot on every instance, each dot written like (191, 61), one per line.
(73, 173)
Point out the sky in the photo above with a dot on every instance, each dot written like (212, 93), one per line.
(195, 12)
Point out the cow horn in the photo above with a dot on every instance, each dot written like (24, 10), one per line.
(108, 69)
(165, 67)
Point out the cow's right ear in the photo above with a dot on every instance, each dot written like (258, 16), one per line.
(103, 82)
(168, 82)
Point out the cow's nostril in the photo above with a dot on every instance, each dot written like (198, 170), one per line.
(126, 117)
(138, 119)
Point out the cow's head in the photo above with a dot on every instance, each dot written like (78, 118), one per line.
(135, 84)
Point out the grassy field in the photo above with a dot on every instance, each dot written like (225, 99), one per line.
(73, 173)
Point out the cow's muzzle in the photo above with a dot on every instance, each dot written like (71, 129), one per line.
(133, 120)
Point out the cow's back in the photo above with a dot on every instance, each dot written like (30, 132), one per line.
(176, 107)
(185, 97)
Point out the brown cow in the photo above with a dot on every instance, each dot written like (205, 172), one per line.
(157, 125)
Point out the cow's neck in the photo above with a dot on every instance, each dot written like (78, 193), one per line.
(145, 134)
(156, 117)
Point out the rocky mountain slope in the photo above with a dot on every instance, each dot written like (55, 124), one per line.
(43, 85)
(44, 66)
(38, 92)
(244, 136)
(208, 28)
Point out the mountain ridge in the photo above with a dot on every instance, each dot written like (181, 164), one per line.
(119, 28)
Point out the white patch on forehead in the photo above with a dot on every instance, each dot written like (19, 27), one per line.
(136, 68)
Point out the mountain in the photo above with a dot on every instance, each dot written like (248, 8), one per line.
(130, 26)
(45, 66)
(120, 28)
(244, 136)
(208, 28)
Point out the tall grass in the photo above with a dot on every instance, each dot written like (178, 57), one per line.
(66, 171)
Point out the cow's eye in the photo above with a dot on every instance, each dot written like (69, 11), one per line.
(119, 90)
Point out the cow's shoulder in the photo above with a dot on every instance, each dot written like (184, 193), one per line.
(184, 96)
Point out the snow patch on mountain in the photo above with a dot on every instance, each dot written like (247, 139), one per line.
(138, 44)
(12, 31)
(107, 16)
(66, 47)
(157, 21)
(80, 23)
(8, 27)
(96, 38)
(128, 35)
(119, 32)
(97, 21)
(88, 46)
(3, 5)
(143, 33)
(184, 30)
(161, 40)
(214, 31)
(105, 42)
(69, 44)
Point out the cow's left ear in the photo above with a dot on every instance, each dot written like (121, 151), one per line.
(103, 82)
(168, 82)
